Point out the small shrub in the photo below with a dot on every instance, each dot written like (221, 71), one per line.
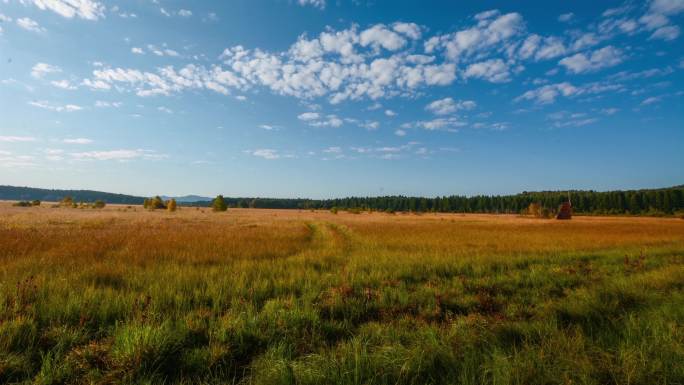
(67, 201)
(22, 204)
(171, 205)
(99, 204)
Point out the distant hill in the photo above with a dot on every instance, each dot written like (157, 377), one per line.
(188, 198)
(31, 193)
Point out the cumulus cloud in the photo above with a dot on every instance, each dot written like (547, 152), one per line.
(379, 36)
(410, 30)
(651, 100)
(314, 3)
(601, 58)
(493, 70)
(84, 9)
(57, 108)
(41, 69)
(547, 94)
(564, 18)
(29, 24)
(184, 13)
(63, 84)
(667, 33)
(137, 50)
(491, 30)
(316, 119)
(448, 106)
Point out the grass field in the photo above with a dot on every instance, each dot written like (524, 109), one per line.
(123, 295)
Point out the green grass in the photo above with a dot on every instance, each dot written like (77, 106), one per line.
(341, 306)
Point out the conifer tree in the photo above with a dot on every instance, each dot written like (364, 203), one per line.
(219, 204)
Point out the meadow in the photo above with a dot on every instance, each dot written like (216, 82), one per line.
(124, 295)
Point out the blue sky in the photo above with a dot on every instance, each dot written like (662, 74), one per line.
(316, 98)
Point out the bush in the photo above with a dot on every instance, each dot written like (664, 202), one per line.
(35, 202)
(22, 204)
(67, 201)
(99, 204)
(154, 203)
(334, 210)
(219, 204)
(171, 205)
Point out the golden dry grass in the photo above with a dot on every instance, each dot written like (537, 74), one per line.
(286, 296)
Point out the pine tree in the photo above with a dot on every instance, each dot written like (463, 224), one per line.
(219, 204)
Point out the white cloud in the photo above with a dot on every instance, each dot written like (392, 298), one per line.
(667, 7)
(493, 70)
(56, 108)
(666, 33)
(78, 141)
(137, 50)
(411, 30)
(265, 153)
(602, 58)
(370, 125)
(564, 18)
(41, 69)
(490, 31)
(16, 139)
(447, 124)
(63, 84)
(165, 110)
(448, 106)
(119, 155)
(379, 36)
(308, 116)
(29, 25)
(333, 150)
(548, 93)
(84, 9)
(390, 113)
(315, 3)
(651, 100)
(316, 119)
(184, 13)
(549, 48)
(400, 132)
(105, 104)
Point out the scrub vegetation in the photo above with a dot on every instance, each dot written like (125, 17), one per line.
(245, 296)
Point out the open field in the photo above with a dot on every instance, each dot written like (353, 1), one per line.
(124, 295)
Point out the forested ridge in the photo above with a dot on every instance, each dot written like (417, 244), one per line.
(642, 202)
(650, 202)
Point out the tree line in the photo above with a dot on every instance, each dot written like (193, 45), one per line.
(638, 202)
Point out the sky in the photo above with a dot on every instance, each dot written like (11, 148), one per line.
(333, 98)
